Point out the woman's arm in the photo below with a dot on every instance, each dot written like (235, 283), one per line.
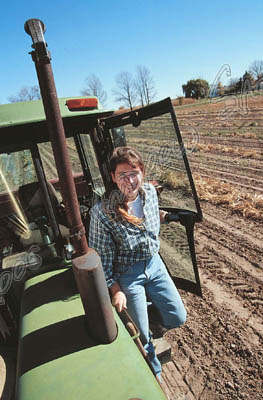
(100, 239)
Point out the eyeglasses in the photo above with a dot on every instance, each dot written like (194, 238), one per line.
(128, 175)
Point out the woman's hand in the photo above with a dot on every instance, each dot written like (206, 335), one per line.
(162, 216)
(119, 301)
(118, 297)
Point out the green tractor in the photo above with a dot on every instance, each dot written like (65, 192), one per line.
(58, 329)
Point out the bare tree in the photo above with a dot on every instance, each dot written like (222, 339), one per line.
(139, 91)
(125, 90)
(144, 85)
(95, 88)
(27, 93)
(233, 86)
(256, 69)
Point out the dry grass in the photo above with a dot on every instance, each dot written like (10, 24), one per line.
(249, 135)
(175, 180)
(179, 101)
(218, 192)
(230, 150)
(147, 141)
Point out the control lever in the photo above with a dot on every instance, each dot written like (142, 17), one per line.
(169, 217)
(43, 227)
(184, 217)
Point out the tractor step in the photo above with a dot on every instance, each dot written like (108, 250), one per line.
(162, 349)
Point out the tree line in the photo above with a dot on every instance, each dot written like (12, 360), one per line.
(140, 89)
(251, 80)
(129, 90)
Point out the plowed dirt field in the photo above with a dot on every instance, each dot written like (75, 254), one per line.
(218, 353)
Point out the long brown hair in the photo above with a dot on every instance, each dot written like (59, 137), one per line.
(126, 155)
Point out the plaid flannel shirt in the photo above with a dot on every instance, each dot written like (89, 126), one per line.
(121, 244)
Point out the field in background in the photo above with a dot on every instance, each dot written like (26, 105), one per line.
(218, 353)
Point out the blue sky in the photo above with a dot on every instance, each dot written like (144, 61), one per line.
(177, 40)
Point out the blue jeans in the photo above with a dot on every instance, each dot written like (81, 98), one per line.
(151, 277)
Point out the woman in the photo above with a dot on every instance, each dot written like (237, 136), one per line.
(124, 230)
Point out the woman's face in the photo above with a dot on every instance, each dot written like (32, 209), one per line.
(128, 179)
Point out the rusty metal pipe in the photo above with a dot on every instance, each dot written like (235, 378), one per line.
(95, 297)
(41, 57)
(87, 267)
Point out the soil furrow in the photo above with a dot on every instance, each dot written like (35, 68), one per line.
(256, 173)
(229, 265)
(247, 225)
(228, 159)
(241, 143)
(48, 162)
(249, 258)
(235, 183)
(240, 178)
(210, 350)
(231, 230)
